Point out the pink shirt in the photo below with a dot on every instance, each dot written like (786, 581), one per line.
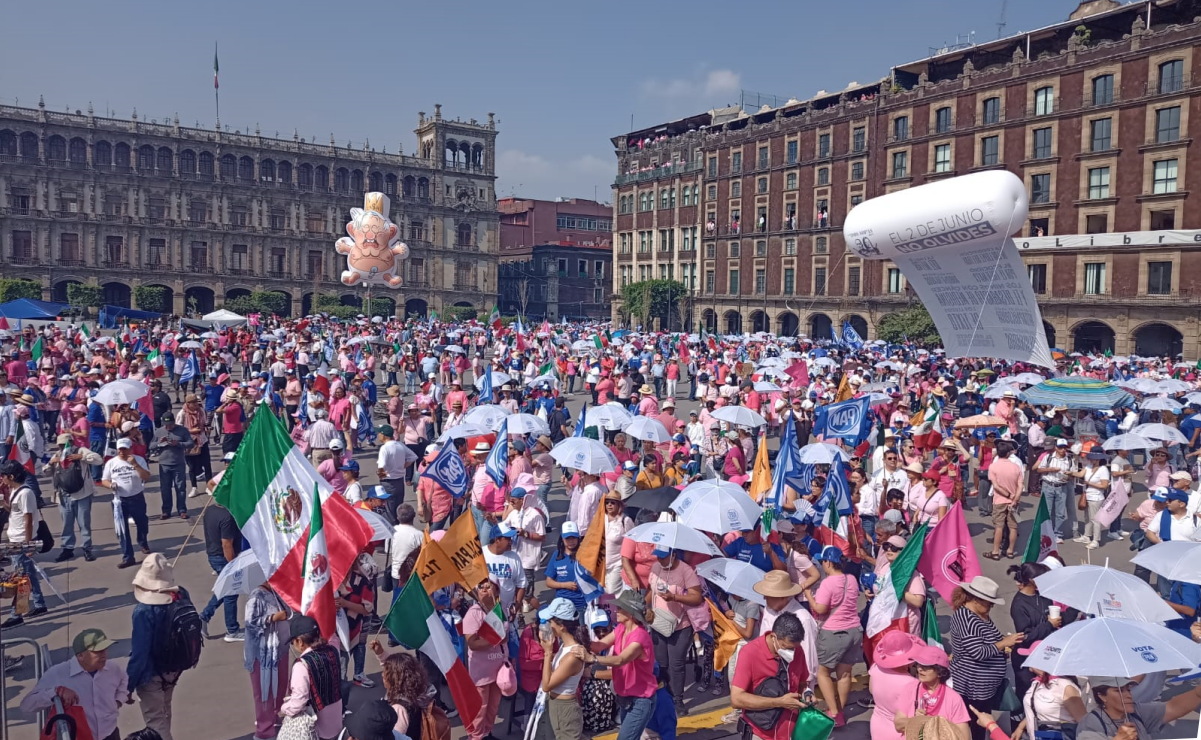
(892, 691)
(636, 678)
(841, 594)
(483, 665)
(329, 719)
(677, 581)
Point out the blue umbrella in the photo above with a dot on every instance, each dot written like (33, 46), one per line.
(1077, 393)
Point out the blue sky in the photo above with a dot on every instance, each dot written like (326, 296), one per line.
(562, 82)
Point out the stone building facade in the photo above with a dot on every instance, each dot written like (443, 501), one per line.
(1095, 115)
(210, 215)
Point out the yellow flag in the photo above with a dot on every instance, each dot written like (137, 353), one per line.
(591, 553)
(725, 638)
(761, 475)
(462, 546)
(435, 568)
(845, 392)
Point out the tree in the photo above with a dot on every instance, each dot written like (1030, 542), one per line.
(914, 324)
(522, 287)
(151, 298)
(385, 307)
(270, 301)
(653, 299)
(331, 304)
(241, 304)
(84, 296)
(460, 313)
(13, 288)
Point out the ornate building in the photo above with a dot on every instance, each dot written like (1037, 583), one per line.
(210, 215)
(1094, 114)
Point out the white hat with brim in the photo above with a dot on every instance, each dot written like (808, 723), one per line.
(777, 584)
(983, 587)
(154, 583)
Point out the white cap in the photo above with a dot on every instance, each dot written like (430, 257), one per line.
(124, 443)
(337, 444)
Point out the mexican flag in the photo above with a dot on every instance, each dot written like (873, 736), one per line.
(414, 623)
(927, 435)
(888, 610)
(37, 351)
(1042, 536)
(546, 369)
(283, 505)
(494, 318)
(930, 633)
(20, 449)
(156, 363)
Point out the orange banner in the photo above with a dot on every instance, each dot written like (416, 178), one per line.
(725, 638)
(435, 568)
(462, 546)
(591, 554)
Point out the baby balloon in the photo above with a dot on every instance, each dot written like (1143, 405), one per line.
(373, 244)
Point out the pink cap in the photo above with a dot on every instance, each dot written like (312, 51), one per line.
(930, 655)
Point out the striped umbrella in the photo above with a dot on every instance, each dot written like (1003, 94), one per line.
(1077, 393)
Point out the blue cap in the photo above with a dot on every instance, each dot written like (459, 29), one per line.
(559, 608)
(518, 492)
(1160, 494)
(598, 618)
(830, 554)
(661, 552)
(1176, 494)
(350, 465)
(504, 530)
(378, 492)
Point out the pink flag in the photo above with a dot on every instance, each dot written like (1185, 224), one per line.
(948, 558)
(799, 372)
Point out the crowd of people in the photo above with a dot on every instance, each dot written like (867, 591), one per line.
(601, 627)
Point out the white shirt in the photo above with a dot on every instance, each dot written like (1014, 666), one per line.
(279, 369)
(507, 571)
(583, 506)
(125, 479)
(23, 502)
(878, 487)
(808, 642)
(353, 493)
(8, 422)
(528, 519)
(1129, 422)
(392, 460)
(405, 539)
(1095, 475)
(615, 534)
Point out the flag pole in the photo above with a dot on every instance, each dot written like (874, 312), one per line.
(216, 85)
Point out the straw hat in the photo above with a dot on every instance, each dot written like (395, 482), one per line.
(983, 587)
(481, 448)
(777, 584)
(646, 390)
(154, 583)
(914, 468)
(394, 390)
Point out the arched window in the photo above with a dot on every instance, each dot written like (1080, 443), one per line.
(377, 182)
(341, 180)
(409, 186)
(102, 154)
(390, 185)
(423, 188)
(187, 162)
(267, 170)
(29, 145)
(77, 152)
(56, 148)
(146, 158)
(166, 160)
(452, 151)
(8, 143)
(356, 181)
(206, 163)
(321, 177)
(121, 155)
(477, 156)
(245, 168)
(304, 176)
(283, 172)
(229, 167)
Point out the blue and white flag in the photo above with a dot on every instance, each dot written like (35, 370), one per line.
(834, 505)
(579, 425)
(834, 337)
(787, 466)
(589, 588)
(849, 421)
(359, 362)
(497, 463)
(329, 352)
(448, 471)
(486, 388)
(850, 337)
(366, 428)
(191, 369)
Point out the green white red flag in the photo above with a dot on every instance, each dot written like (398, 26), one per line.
(1042, 536)
(20, 449)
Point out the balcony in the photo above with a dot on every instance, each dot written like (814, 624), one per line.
(654, 173)
(24, 259)
(239, 271)
(278, 274)
(316, 229)
(425, 199)
(1167, 86)
(70, 262)
(1046, 109)
(463, 285)
(21, 211)
(416, 282)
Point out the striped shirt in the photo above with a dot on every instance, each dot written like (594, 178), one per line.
(977, 666)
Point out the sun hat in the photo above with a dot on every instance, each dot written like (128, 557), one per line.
(630, 603)
(154, 583)
(546, 442)
(481, 448)
(776, 583)
(91, 640)
(983, 587)
(895, 649)
(930, 655)
(914, 468)
(646, 390)
(559, 608)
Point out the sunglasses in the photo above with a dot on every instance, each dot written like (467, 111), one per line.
(889, 548)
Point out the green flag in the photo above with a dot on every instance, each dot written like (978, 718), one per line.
(1042, 535)
(930, 633)
(36, 351)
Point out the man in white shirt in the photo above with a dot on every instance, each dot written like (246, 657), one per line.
(695, 429)
(126, 475)
(22, 529)
(888, 477)
(530, 523)
(406, 540)
(390, 465)
(88, 680)
(505, 568)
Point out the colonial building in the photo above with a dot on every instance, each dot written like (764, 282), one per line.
(556, 281)
(1093, 114)
(210, 215)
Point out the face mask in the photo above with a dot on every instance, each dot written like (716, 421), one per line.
(786, 655)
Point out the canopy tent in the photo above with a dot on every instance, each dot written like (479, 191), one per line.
(111, 316)
(26, 308)
(220, 319)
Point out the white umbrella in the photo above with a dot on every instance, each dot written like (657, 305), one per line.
(550, 380)
(1159, 403)
(1142, 385)
(998, 390)
(524, 424)
(825, 362)
(241, 575)
(716, 506)
(1178, 560)
(490, 415)
(880, 387)
(739, 416)
(381, 531)
(676, 536)
(1119, 648)
(733, 577)
(1173, 385)
(1101, 590)
(456, 349)
(648, 429)
(820, 453)
(356, 341)
(773, 362)
(1128, 442)
(766, 386)
(1024, 378)
(1162, 432)
(584, 454)
(462, 431)
(1193, 398)
(121, 391)
(210, 335)
(498, 379)
(582, 345)
(191, 344)
(610, 416)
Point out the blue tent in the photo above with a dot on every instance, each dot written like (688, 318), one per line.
(110, 316)
(25, 308)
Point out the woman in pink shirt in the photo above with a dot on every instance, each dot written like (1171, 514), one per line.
(840, 640)
(1159, 469)
(339, 409)
(932, 697)
(892, 686)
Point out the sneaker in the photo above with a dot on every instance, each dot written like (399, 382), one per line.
(193, 493)
(145, 549)
(681, 710)
(12, 622)
(1058, 540)
(204, 629)
(127, 563)
(866, 702)
(88, 556)
(235, 636)
(1092, 545)
(719, 688)
(361, 680)
(1083, 540)
(37, 611)
(13, 662)
(1117, 536)
(64, 556)
(731, 717)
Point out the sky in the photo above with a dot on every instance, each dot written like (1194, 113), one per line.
(563, 78)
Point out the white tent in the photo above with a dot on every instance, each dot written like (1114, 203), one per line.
(216, 320)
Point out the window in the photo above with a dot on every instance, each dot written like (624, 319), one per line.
(900, 128)
(1042, 143)
(789, 281)
(1103, 90)
(114, 250)
(942, 120)
(598, 270)
(315, 264)
(761, 185)
(760, 281)
(990, 150)
(790, 152)
(735, 249)
(237, 258)
(896, 283)
(562, 267)
(856, 200)
(1171, 76)
(200, 255)
(942, 158)
(710, 281)
(858, 139)
(1100, 131)
(22, 246)
(819, 280)
(735, 162)
(644, 242)
(823, 146)
(1044, 101)
(733, 288)
(1165, 177)
(1040, 188)
(853, 273)
(819, 245)
(789, 247)
(1098, 182)
(1098, 223)
(856, 170)
(663, 198)
(582, 268)
(158, 253)
(823, 175)
(1039, 226)
(68, 245)
(685, 196)
(1038, 278)
(736, 189)
(1167, 124)
(790, 181)
(1163, 220)
(900, 161)
(711, 193)
(712, 166)
(760, 248)
(1159, 278)
(763, 158)
(1094, 278)
(598, 295)
(991, 110)
(667, 240)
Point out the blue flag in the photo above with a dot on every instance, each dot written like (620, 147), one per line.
(358, 357)
(329, 353)
(850, 337)
(191, 369)
(788, 466)
(486, 388)
(579, 425)
(837, 493)
(589, 588)
(498, 459)
(849, 421)
(447, 470)
(834, 335)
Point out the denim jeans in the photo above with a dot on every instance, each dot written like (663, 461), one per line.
(96, 446)
(217, 562)
(171, 478)
(984, 495)
(411, 383)
(869, 526)
(358, 656)
(636, 713)
(36, 600)
(73, 511)
(1056, 495)
(134, 507)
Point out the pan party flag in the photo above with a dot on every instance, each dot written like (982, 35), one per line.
(462, 545)
(434, 567)
(725, 637)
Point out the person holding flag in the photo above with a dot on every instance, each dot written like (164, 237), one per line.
(840, 640)
(485, 631)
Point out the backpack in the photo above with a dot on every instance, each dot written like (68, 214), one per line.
(177, 645)
(68, 478)
(435, 725)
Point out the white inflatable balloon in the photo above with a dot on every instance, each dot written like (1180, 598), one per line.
(951, 240)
